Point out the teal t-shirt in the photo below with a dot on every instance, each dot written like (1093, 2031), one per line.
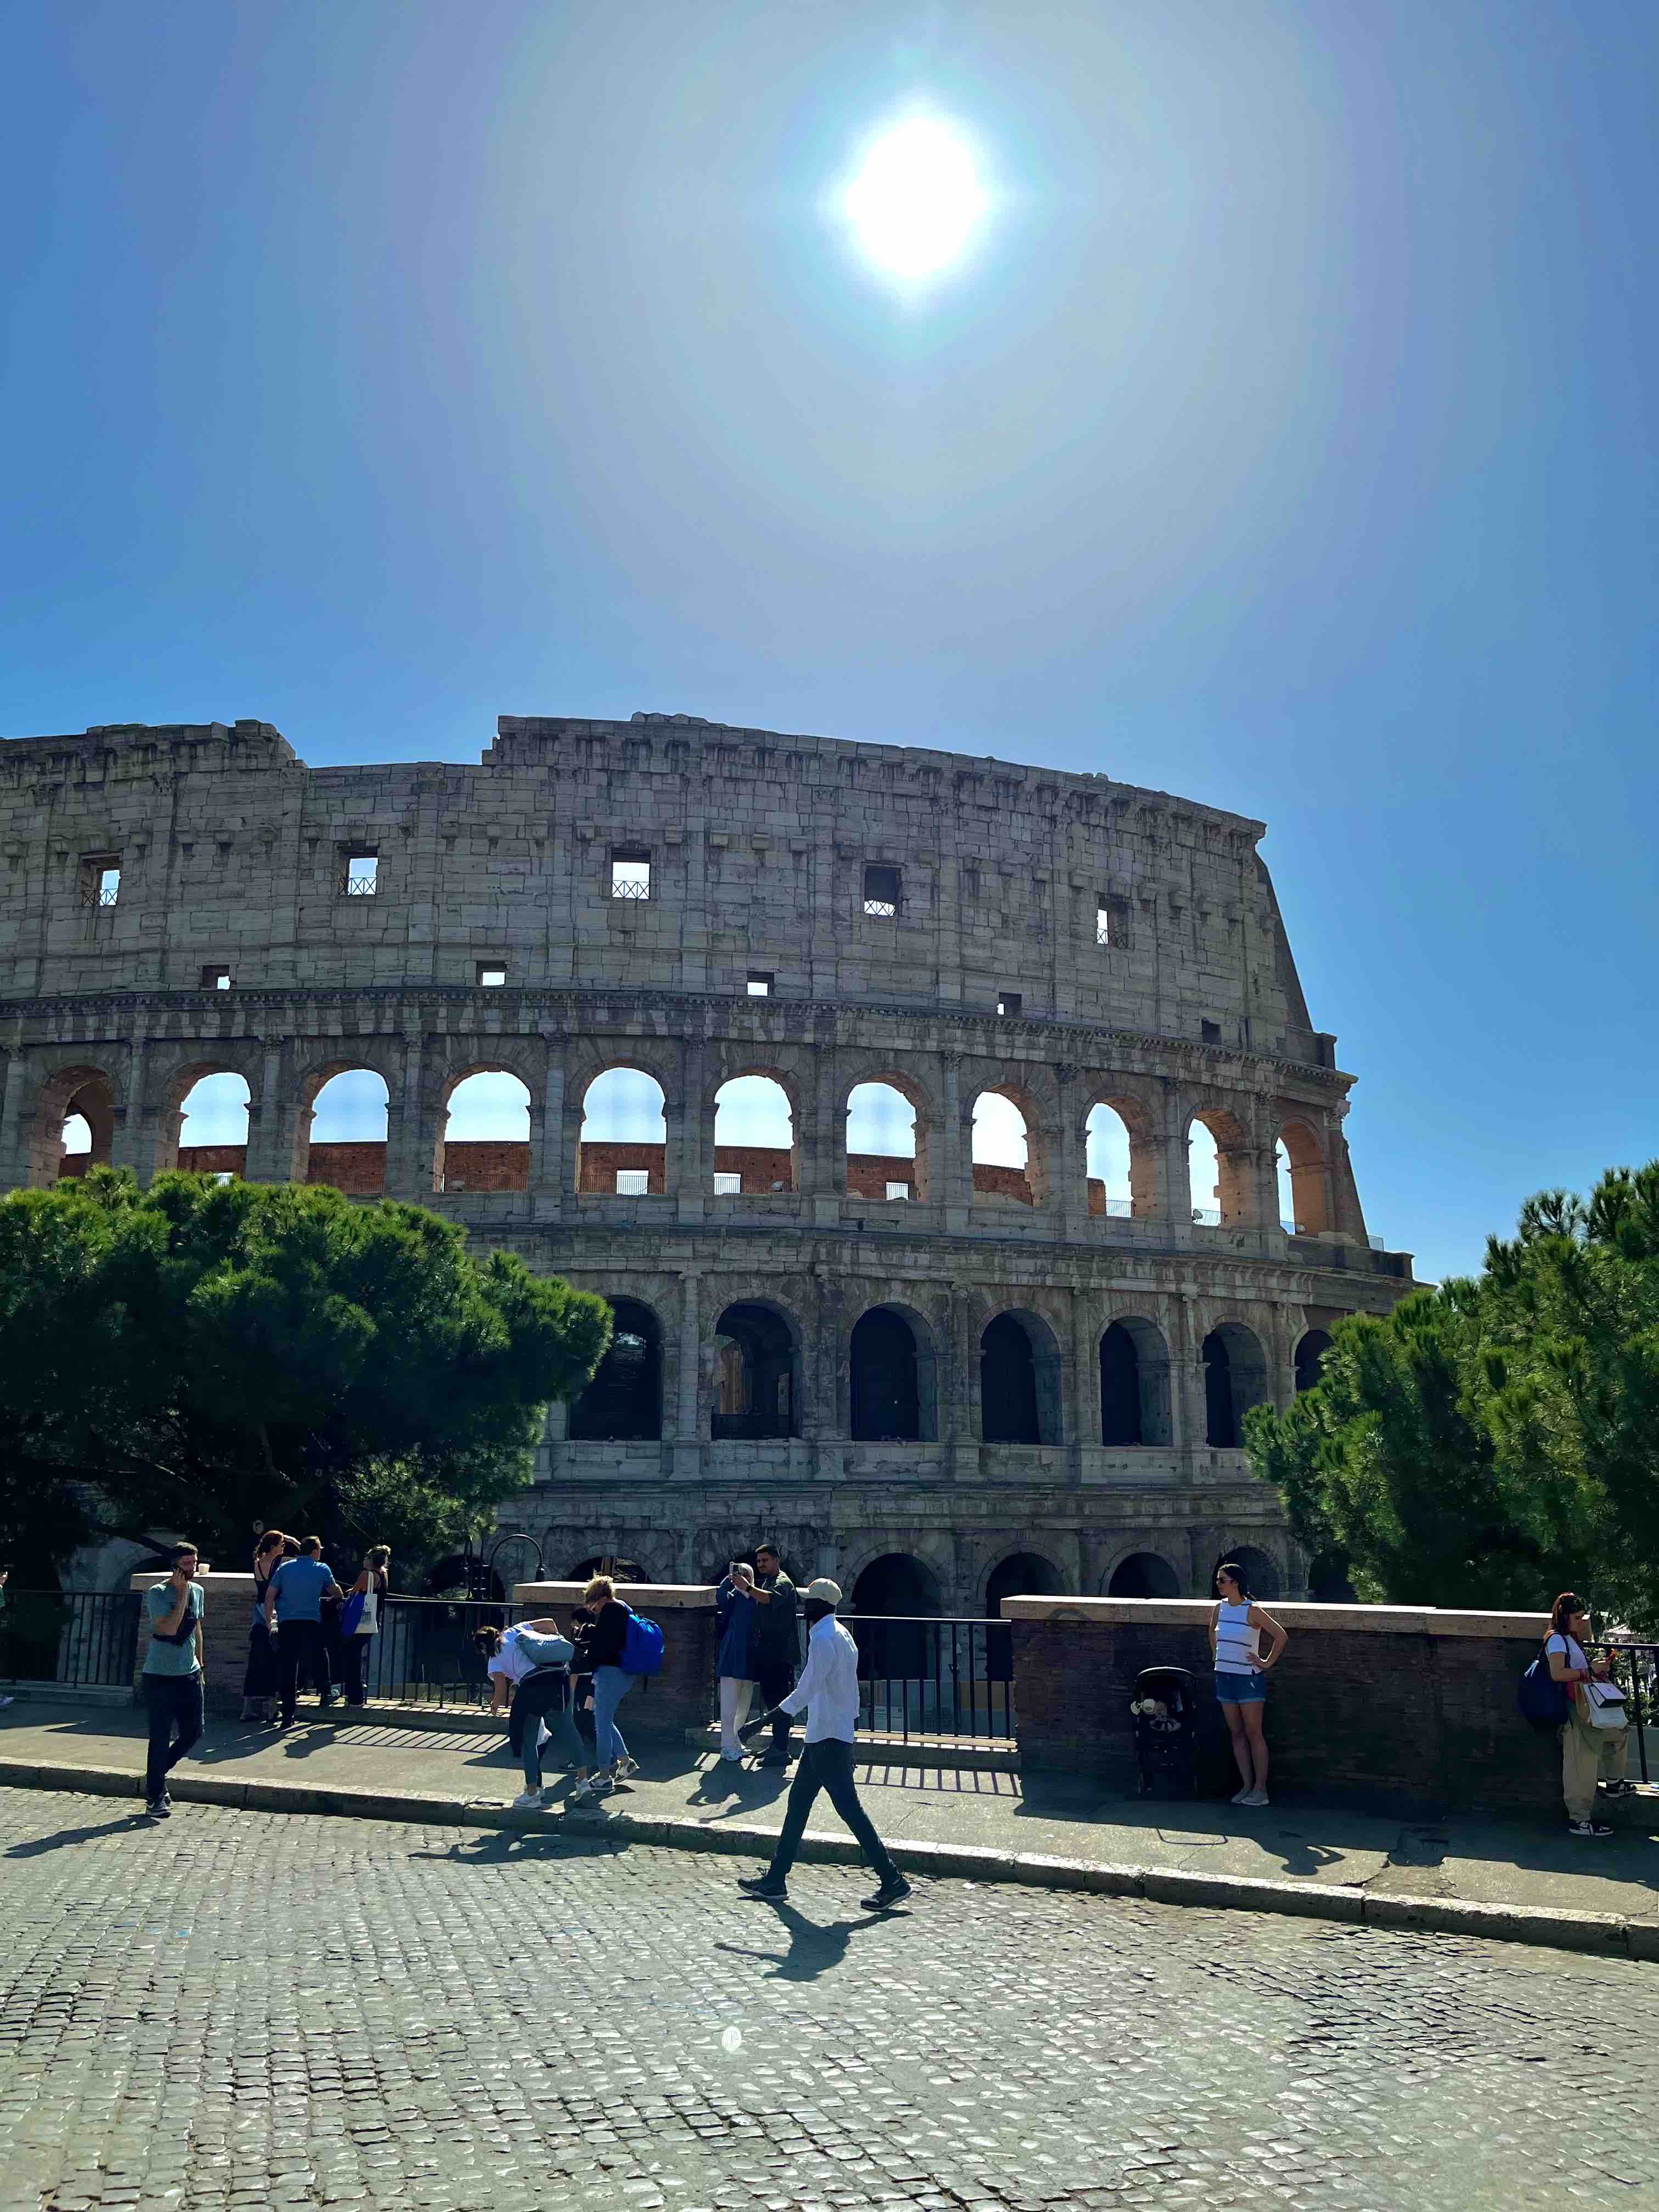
(163, 1657)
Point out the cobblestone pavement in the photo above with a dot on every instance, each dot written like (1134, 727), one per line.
(237, 2010)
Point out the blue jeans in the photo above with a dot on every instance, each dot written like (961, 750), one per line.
(539, 1698)
(175, 1705)
(611, 1686)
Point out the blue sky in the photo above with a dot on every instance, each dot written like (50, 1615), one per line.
(1287, 442)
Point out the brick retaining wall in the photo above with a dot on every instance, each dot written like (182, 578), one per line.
(1408, 1709)
(684, 1696)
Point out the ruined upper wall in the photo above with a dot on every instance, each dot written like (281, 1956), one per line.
(232, 853)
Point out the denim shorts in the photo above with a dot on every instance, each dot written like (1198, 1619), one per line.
(1242, 1689)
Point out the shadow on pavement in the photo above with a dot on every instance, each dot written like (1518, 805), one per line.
(814, 1950)
(62, 1837)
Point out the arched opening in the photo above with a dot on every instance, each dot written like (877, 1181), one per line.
(485, 1144)
(1310, 1359)
(1019, 1381)
(73, 1126)
(1217, 1167)
(211, 1131)
(1108, 1158)
(1134, 1384)
(616, 1564)
(1235, 1379)
(1002, 1150)
(892, 1381)
(623, 1404)
(1144, 1574)
(623, 1148)
(348, 1123)
(1259, 1570)
(1025, 1574)
(887, 1143)
(754, 1139)
(892, 1594)
(755, 1381)
(1299, 1164)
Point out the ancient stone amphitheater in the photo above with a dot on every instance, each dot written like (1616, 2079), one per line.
(1037, 1182)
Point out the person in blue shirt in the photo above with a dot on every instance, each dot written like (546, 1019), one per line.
(173, 1676)
(293, 1614)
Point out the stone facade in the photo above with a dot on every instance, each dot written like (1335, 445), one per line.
(182, 901)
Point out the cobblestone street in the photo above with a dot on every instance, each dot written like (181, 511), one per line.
(237, 2010)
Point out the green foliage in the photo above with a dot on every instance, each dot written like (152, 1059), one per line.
(202, 1355)
(1494, 1440)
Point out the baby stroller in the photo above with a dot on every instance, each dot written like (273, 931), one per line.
(1165, 1714)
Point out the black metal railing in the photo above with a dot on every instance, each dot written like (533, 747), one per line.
(922, 1678)
(1635, 1668)
(424, 1654)
(82, 1639)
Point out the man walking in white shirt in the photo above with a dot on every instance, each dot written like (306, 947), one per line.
(828, 1689)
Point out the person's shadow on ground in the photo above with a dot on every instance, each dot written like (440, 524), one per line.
(737, 1789)
(39, 1846)
(814, 1950)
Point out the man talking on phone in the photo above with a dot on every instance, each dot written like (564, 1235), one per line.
(173, 1676)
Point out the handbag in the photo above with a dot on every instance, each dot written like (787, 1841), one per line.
(1604, 1704)
(352, 1613)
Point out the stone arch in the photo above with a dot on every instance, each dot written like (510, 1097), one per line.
(372, 1059)
(1310, 1358)
(1138, 1200)
(1141, 1574)
(758, 1394)
(1305, 1157)
(494, 1152)
(1022, 1573)
(630, 1134)
(1261, 1570)
(1134, 1383)
(1228, 1203)
(221, 1150)
(1004, 1180)
(763, 1168)
(76, 1088)
(622, 1566)
(893, 1376)
(1021, 1390)
(869, 1171)
(1235, 1379)
(902, 1592)
(622, 1403)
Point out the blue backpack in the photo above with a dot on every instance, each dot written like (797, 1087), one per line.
(1541, 1699)
(641, 1651)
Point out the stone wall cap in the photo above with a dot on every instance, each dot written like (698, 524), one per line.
(1194, 1612)
(644, 1597)
(231, 1583)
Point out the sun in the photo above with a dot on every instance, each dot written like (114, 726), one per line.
(916, 199)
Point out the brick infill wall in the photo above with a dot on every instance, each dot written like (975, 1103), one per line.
(1397, 1708)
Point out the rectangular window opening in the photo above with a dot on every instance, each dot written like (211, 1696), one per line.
(632, 1182)
(360, 873)
(1009, 1002)
(898, 1190)
(1103, 932)
(882, 890)
(215, 979)
(491, 975)
(1210, 1032)
(728, 1186)
(630, 872)
(760, 984)
(100, 879)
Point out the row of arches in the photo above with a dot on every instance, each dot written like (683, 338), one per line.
(894, 1383)
(483, 1141)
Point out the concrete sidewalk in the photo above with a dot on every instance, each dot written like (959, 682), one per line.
(1516, 1879)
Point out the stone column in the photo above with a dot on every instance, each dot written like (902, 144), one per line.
(690, 1158)
(1070, 1201)
(133, 1143)
(827, 1174)
(411, 1141)
(270, 1124)
(956, 1164)
(688, 1438)
(14, 1146)
(1174, 1174)
(551, 1171)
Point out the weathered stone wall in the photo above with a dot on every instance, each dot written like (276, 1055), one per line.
(233, 856)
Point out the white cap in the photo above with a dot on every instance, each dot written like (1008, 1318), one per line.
(823, 1591)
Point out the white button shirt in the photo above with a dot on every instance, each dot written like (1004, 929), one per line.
(828, 1684)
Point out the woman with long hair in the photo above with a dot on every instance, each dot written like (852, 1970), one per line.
(262, 1681)
(372, 1585)
(531, 1663)
(1237, 1627)
(1588, 1751)
(611, 1685)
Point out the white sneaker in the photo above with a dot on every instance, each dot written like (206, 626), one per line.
(625, 1769)
(5, 1701)
(584, 1793)
(1255, 1797)
(525, 1799)
(731, 1754)
(1241, 1797)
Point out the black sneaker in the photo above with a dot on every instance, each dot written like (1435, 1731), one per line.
(156, 1808)
(167, 1802)
(763, 1885)
(773, 1758)
(893, 1891)
(1588, 1828)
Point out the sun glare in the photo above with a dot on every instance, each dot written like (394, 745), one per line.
(916, 199)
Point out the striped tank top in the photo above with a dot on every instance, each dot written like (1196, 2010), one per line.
(1236, 1644)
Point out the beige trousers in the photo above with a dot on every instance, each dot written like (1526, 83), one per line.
(1589, 1754)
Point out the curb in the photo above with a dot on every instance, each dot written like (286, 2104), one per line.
(1608, 1934)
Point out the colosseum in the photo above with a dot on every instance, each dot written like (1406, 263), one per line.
(951, 1137)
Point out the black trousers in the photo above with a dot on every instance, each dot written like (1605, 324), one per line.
(355, 1654)
(175, 1724)
(774, 1678)
(828, 1765)
(300, 1648)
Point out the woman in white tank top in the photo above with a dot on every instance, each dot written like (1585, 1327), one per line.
(1237, 1627)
